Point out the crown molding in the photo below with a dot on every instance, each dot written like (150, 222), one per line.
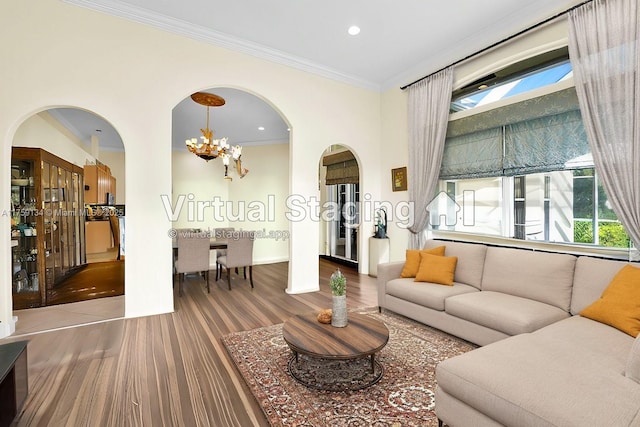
(196, 32)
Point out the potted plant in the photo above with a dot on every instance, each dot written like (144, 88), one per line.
(338, 284)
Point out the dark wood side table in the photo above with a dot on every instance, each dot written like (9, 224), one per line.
(14, 385)
(363, 337)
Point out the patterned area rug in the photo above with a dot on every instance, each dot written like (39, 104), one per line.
(403, 396)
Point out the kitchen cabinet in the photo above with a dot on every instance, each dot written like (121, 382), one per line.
(47, 224)
(98, 183)
(99, 236)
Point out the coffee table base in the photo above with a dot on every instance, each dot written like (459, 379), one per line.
(335, 375)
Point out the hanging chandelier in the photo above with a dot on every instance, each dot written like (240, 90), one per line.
(206, 147)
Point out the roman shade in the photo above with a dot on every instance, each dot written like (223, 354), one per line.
(536, 135)
(342, 168)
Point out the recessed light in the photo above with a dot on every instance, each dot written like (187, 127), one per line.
(354, 30)
(261, 128)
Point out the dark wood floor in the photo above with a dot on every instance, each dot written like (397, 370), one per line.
(171, 369)
(95, 280)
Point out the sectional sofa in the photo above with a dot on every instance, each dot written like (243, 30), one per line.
(540, 362)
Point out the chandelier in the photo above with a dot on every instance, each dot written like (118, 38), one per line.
(206, 147)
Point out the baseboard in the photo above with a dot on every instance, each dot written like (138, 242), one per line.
(270, 260)
(7, 329)
(341, 261)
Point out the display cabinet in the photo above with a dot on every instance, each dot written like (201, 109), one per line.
(47, 223)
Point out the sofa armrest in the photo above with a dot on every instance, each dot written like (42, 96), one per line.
(387, 271)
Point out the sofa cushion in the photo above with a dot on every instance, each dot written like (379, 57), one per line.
(412, 260)
(619, 305)
(436, 269)
(470, 260)
(632, 369)
(569, 375)
(590, 279)
(540, 276)
(429, 295)
(503, 312)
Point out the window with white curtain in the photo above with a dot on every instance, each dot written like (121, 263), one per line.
(523, 170)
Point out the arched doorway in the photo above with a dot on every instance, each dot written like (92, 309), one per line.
(206, 195)
(51, 153)
(340, 190)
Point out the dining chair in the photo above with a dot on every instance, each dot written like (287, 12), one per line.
(221, 233)
(193, 256)
(239, 254)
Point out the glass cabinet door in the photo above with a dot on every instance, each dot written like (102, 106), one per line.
(25, 280)
(66, 225)
(50, 224)
(47, 224)
(77, 186)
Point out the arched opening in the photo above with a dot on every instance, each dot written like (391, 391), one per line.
(339, 175)
(54, 261)
(250, 196)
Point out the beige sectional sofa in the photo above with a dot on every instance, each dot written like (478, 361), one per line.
(540, 364)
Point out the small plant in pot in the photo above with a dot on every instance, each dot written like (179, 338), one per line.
(338, 284)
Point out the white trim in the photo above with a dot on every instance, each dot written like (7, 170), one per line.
(567, 248)
(186, 29)
(536, 93)
(274, 260)
(8, 329)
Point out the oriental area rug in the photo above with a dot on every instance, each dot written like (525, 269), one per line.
(404, 396)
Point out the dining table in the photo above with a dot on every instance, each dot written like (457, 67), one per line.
(213, 244)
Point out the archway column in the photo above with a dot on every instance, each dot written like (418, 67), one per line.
(303, 227)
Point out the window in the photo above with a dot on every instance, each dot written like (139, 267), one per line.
(524, 76)
(559, 207)
(525, 171)
(594, 220)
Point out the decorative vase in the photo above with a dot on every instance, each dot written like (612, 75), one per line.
(339, 311)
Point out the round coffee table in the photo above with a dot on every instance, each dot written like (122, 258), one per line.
(363, 337)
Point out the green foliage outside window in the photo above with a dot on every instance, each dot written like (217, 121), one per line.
(610, 234)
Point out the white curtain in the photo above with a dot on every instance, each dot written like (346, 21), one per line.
(428, 110)
(604, 52)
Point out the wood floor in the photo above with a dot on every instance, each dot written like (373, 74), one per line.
(95, 280)
(171, 369)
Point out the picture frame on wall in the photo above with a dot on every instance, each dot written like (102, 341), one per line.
(399, 179)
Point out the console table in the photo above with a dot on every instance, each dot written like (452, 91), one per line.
(14, 385)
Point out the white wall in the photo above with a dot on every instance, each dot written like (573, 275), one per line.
(395, 139)
(255, 202)
(43, 131)
(133, 76)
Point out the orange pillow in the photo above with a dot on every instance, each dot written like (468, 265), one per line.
(412, 260)
(619, 305)
(437, 269)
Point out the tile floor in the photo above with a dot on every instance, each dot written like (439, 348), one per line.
(35, 320)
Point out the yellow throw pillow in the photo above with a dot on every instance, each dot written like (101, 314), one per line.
(437, 269)
(619, 305)
(412, 260)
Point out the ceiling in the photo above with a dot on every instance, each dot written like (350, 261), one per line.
(244, 118)
(400, 41)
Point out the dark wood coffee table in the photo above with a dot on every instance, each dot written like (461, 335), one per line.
(363, 337)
